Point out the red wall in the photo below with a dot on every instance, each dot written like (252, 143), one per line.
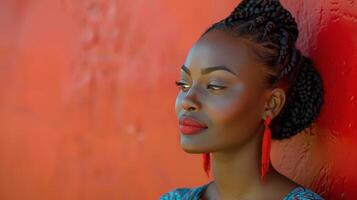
(87, 98)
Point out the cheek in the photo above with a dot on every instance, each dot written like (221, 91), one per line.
(235, 116)
(237, 111)
(228, 106)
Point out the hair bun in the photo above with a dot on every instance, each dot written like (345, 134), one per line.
(304, 101)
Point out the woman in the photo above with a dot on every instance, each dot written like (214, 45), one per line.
(242, 84)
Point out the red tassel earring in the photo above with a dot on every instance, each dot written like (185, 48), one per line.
(206, 162)
(266, 149)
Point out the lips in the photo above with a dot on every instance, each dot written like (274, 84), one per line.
(190, 125)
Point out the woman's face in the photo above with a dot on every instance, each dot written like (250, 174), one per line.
(229, 102)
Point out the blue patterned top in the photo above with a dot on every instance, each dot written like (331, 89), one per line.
(298, 193)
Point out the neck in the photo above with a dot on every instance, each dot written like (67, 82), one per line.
(237, 172)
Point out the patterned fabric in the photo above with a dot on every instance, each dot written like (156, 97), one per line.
(299, 193)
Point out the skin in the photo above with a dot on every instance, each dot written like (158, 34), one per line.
(234, 116)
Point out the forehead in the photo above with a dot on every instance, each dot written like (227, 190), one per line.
(219, 48)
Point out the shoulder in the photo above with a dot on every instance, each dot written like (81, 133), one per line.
(302, 193)
(182, 193)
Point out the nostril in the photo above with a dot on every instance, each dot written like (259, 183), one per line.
(189, 104)
(192, 108)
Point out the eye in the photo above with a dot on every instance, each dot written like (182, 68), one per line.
(216, 87)
(183, 86)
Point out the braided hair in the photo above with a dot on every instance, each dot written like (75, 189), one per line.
(272, 27)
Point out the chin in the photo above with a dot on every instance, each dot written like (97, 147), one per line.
(192, 151)
(189, 148)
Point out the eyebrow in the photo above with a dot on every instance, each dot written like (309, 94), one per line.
(209, 69)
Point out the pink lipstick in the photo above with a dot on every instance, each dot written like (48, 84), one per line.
(190, 126)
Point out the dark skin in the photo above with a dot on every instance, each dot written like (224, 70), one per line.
(233, 104)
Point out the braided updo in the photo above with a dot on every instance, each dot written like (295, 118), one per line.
(272, 27)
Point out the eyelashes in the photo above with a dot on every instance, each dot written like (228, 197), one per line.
(183, 86)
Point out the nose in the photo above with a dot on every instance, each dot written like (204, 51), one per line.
(190, 101)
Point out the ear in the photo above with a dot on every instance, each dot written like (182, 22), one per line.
(274, 103)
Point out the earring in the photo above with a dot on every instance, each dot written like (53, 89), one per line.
(266, 145)
(206, 162)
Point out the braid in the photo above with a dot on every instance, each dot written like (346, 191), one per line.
(267, 23)
(304, 99)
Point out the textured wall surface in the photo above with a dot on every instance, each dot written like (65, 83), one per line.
(87, 98)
